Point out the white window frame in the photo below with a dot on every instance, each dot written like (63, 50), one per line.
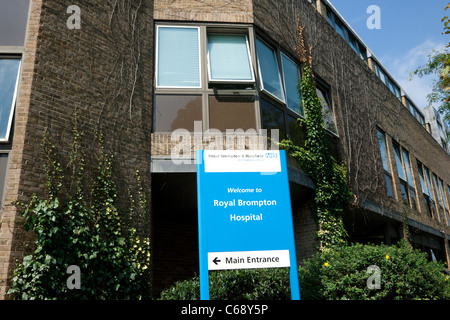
(283, 101)
(282, 54)
(252, 80)
(199, 56)
(6, 139)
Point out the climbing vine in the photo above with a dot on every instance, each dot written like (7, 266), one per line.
(330, 178)
(79, 222)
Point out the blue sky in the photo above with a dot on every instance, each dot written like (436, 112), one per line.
(410, 30)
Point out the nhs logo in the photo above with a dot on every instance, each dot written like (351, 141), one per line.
(271, 155)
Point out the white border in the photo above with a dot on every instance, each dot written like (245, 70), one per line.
(13, 104)
(278, 67)
(284, 82)
(252, 80)
(199, 56)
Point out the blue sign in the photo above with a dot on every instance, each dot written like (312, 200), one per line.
(244, 213)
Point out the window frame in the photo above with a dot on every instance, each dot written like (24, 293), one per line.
(427, 194)
(249, 56)
(200, 58)
(409, 176)
(403, 181)
(7, 138)
(387, 174)
(278, 66)
(415, 112)
(238, 91)
(439, 206)
(446, 207)
(387, 80)
(283, 76)
(326, 92)
(287, 113)
(347, 34)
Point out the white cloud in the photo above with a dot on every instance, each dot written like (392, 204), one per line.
(400, 67)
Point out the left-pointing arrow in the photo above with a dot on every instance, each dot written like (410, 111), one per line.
(216, 260)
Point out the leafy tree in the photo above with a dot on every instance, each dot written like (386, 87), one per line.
(439, 64)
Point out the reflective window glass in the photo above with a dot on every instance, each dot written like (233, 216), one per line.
(269, 70)
(384, 156)
(13, 22)
(178, 55)
(408, 168)
(229, 58)
(398, 161)
(327, 111)
(291, 74)
(177, 112)
(272, 118)
(231, 113)
(9, 73)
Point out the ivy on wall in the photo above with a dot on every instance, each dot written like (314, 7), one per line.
(80, 223)
(330, 178)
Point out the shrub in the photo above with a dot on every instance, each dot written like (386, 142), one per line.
(339, 273)
(342, 273)
(113, 258)
(255, 284)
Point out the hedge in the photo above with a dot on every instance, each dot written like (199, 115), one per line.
(348, 272)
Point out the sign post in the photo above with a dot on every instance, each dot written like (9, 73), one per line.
(244, 213)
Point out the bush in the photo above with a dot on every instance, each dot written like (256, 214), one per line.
(342, 273)
(84, 229)
(255, 284)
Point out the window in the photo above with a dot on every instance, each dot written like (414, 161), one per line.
(405, 175)
(228, 112)
(402, 175)
(385, 161)
(269, 70)
(13, 22)
(441, 131)
(178, 57)
(412, 190)
(387, 81)
(273, 117)
(221, 95)
(172, 112)
(346, 34)
(426, 188)
(327, 111)
(229, 58)
(9, 77)
(3, 172)
(439, 201)
(416, 113)
(280, 102)
(441, 187)
(291, 77)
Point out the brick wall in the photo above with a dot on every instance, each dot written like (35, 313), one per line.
(361, 102)
(10, 249)
(105, 70)
(230, 11)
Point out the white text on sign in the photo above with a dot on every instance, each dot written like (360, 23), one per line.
(248, 259)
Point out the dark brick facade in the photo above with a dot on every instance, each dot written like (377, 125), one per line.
(105, 70)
